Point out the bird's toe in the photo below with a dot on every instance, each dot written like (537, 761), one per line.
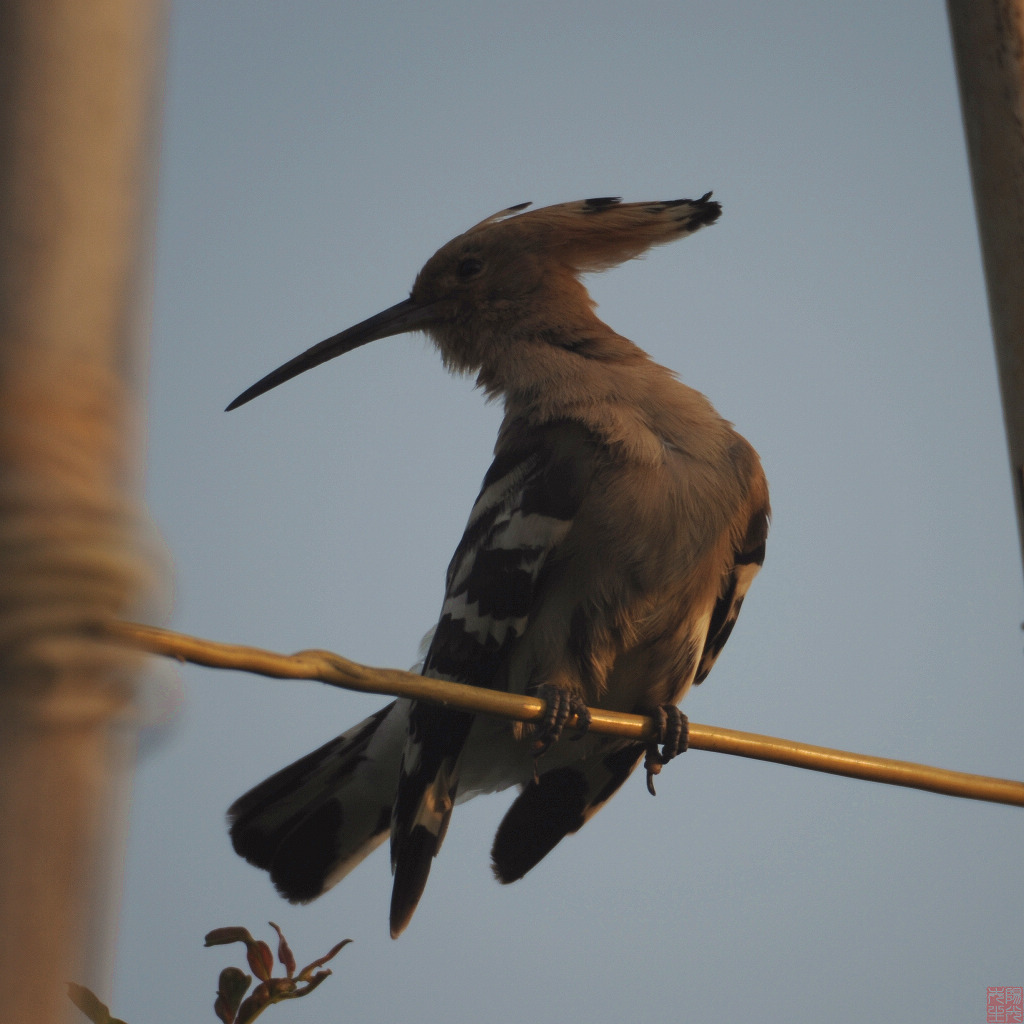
(672, 736)
(562, 705)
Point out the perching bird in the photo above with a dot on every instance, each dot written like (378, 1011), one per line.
(604, 562)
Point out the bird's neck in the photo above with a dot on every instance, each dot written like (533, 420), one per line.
(611, 387)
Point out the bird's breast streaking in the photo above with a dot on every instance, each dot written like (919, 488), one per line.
(604, 562)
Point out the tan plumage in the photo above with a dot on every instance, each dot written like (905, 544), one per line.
(604, 562)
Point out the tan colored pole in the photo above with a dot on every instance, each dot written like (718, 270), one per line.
(988, 45)
(79, 91)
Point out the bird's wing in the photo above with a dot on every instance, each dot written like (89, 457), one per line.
(525, 509)
(559, 802)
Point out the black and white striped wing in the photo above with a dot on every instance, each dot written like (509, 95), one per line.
(524, 511)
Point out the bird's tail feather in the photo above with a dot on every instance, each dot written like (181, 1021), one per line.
(414, 855)
(312, 822)
(427, 789)
(556, 803)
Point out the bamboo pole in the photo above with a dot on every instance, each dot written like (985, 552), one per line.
(988, 45)
(78, 93)
(334, 670)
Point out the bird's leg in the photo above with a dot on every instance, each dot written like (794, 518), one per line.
(673, 735)
(562, 704)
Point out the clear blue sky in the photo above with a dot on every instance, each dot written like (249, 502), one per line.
(315, 154)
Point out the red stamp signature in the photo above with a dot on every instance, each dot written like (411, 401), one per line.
(1004, 1004)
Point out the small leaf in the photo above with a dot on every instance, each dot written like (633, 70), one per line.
(231, 987)
(254, 1005)
(88, 1002)
(225, 1013)
(261, 960)
(307, 971)
(284, 952)
(222, 936)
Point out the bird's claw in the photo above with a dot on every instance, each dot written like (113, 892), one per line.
(561, 706)
(673, 735)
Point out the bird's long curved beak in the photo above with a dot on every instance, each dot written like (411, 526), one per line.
(398, 319)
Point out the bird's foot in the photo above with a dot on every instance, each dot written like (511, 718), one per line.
(673, 735)
(561, 706)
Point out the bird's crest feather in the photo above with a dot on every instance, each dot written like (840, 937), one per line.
(595, 234)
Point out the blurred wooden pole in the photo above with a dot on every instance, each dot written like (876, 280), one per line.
(988, 45)
(79, 95)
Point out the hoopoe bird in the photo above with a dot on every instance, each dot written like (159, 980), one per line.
(605, 561)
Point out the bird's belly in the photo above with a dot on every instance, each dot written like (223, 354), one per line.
(493, 759)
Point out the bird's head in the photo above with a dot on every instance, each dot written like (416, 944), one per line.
(513, 278)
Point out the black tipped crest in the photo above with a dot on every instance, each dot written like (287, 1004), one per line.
(597, 205)
(598, 233)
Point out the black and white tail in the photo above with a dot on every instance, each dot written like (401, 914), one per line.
(311, 823)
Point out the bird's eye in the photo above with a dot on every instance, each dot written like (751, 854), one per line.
(470, 267)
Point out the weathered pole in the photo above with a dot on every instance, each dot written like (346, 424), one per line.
(79, 104)
(988, 45)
